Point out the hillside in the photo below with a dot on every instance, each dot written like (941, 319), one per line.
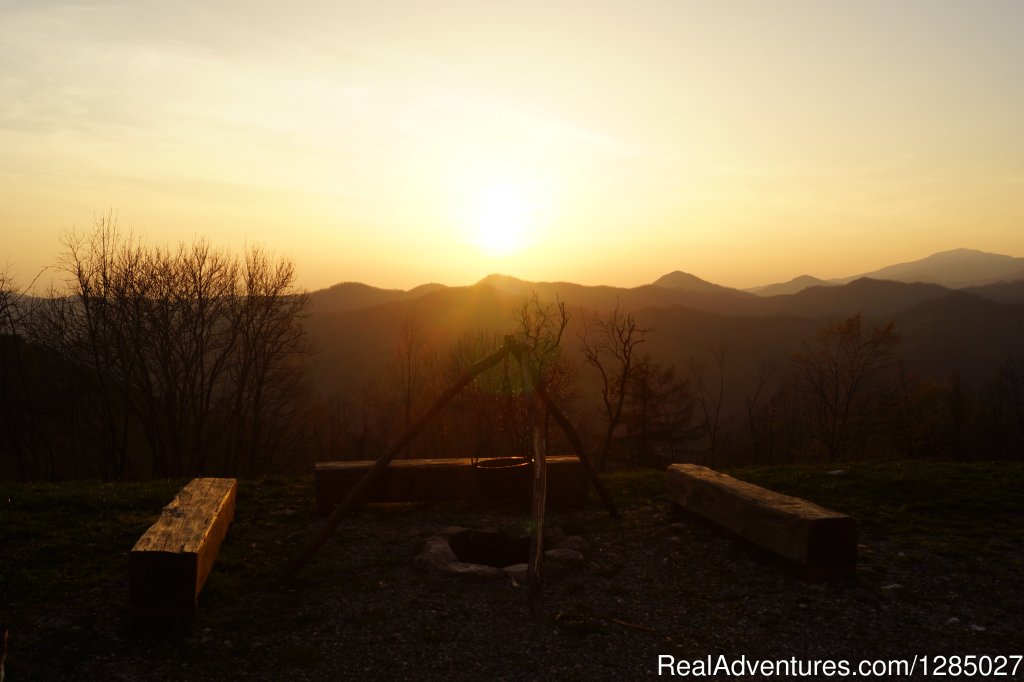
(354, 295)
(795, 285)
(873, 298)
(942, 334)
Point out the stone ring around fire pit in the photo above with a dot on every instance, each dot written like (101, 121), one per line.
(491, 553)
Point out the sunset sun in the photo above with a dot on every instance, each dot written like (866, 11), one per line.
(501, 218)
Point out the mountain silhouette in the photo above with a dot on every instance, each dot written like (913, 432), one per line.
(945, 331)
(868, 296)
(684, 280)
(955, 269)
(1002, 292)
(355, 295)
(793, 286)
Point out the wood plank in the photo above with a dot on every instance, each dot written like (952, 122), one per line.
(439, 480)
(822, 542)
(171, 561)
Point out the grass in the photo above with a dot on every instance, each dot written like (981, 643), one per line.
(64, 543)
(75, 536)
(71, 537)
(951, 507)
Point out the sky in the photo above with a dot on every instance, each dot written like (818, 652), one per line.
(602, 142)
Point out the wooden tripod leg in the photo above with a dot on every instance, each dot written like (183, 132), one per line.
(534, 574)
(563, 421)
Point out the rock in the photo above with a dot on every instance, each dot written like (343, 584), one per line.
(566, 557)
(953, 621)
(517, 572)
(575, 543)
(479, 570)
(978, 628)
(836, 472)
(892, 587)
(553, 536)
(436, 553)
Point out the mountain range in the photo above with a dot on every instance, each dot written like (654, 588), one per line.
(988, 274)
(955, 269)
(946, 329)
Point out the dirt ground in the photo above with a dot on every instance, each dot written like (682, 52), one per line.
(659, 583)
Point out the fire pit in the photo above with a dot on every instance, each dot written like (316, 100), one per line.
(490, 548)
(497, 552)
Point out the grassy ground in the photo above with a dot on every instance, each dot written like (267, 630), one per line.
(961, 509)
(64, 558)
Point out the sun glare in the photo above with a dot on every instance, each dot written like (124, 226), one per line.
(502, 219)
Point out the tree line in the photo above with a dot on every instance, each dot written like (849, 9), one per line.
(158, 361)
(153, 361)
(844, 394)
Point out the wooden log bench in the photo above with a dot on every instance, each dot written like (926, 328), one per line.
(171, 561)
(444, 480)
(821, 542)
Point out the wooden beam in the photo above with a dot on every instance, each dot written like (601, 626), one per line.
(171, 561)
(822, 542)
(441, 480)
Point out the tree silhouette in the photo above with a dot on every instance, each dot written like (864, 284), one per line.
(842, 380)
(609, 346)
(191, 350)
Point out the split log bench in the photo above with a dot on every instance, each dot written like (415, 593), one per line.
(821, 542)
(442, 480)
(171, 561)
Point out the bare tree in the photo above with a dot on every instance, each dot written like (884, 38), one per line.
(194, 348)
(93, 328)
(609, 346)
(760, 418)
(12, 376)
(709, 386)
(541, 327)
(267, 371)
(841, 379)
(657, 413)
(35, 394)
(410, 373)
(1006, 409)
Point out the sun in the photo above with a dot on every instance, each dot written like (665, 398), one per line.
(502, 218)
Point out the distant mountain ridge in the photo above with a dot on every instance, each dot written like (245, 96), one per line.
(954, 269)
(944, 331)
(684, 280)
(356, 295)
(793, 286)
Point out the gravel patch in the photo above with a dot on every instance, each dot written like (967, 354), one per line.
(658, 583)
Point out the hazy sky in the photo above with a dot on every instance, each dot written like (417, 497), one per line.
(602, 141)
